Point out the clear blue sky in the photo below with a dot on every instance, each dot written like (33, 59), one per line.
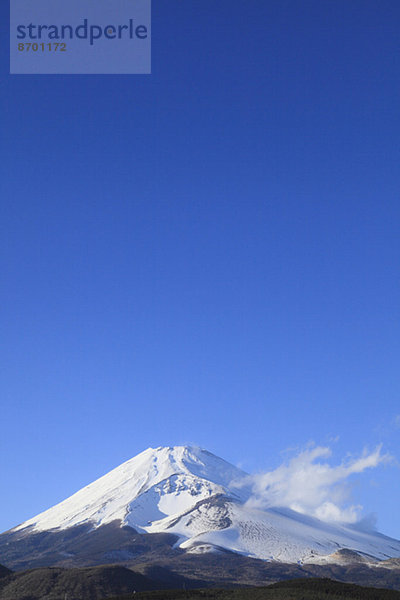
(208, 254)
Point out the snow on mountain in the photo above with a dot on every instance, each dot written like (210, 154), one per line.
(152, 485)
(188, 492)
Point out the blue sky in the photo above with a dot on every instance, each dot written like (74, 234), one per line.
(209, 254)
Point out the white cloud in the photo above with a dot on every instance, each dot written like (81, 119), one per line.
(309, 484)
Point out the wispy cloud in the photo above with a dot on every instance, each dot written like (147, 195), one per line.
(309, 484)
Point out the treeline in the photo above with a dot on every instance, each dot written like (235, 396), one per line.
(299, 589)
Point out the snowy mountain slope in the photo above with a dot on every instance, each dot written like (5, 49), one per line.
(154, 484)
(188, 492)
(281, 535)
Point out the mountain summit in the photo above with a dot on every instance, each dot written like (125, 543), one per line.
(144, 492)
(191, 494)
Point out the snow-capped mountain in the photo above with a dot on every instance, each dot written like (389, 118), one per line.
(190, 493)
(144, 492)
